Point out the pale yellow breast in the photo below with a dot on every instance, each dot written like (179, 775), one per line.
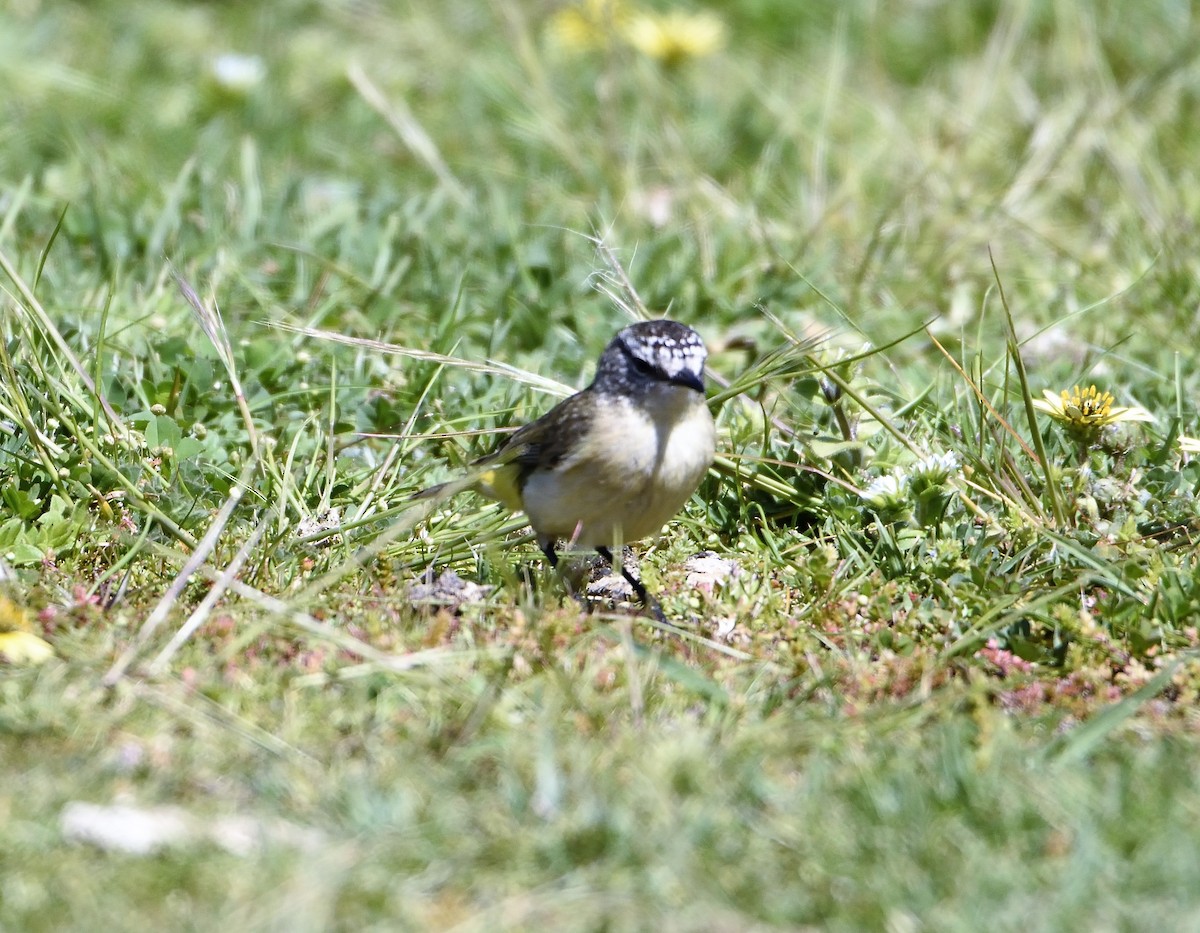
(630, 475)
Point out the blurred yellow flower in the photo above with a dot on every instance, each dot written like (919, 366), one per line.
(592, 24)
(24, 648)
(1087, 409)
(18, 644)
(675, 36)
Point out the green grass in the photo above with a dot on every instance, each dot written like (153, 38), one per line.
(968, 701)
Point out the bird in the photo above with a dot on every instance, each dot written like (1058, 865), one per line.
(614, 462)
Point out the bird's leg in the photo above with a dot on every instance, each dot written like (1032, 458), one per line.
(547, 545)
(634, 578)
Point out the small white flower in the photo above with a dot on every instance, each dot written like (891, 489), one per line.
(937, 468)
(236, 73)
(887, 492)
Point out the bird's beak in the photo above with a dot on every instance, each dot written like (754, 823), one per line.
(692, 380)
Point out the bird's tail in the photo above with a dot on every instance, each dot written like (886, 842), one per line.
(445, 490)
(494, 482)
(429, 492)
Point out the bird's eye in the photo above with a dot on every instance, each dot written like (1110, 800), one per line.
(642, 366)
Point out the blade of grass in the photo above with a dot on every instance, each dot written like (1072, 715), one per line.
(211, 598)
(33, 307)
(45, 254)
(213, 325)
(398, 116)
(1014, 349)
(198, 556)
(491, 367)
(1077, 744)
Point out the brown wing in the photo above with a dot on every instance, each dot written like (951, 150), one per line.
(542, 444)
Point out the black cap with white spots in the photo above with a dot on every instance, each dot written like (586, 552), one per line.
(652, 352)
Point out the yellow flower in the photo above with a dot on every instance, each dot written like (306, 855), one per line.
(592, 24)
(24, 648)
(675, 36)
(1087, 410)
(18, 645)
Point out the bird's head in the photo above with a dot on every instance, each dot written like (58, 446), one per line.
(652, 353)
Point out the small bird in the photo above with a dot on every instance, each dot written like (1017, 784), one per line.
(614, 462)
